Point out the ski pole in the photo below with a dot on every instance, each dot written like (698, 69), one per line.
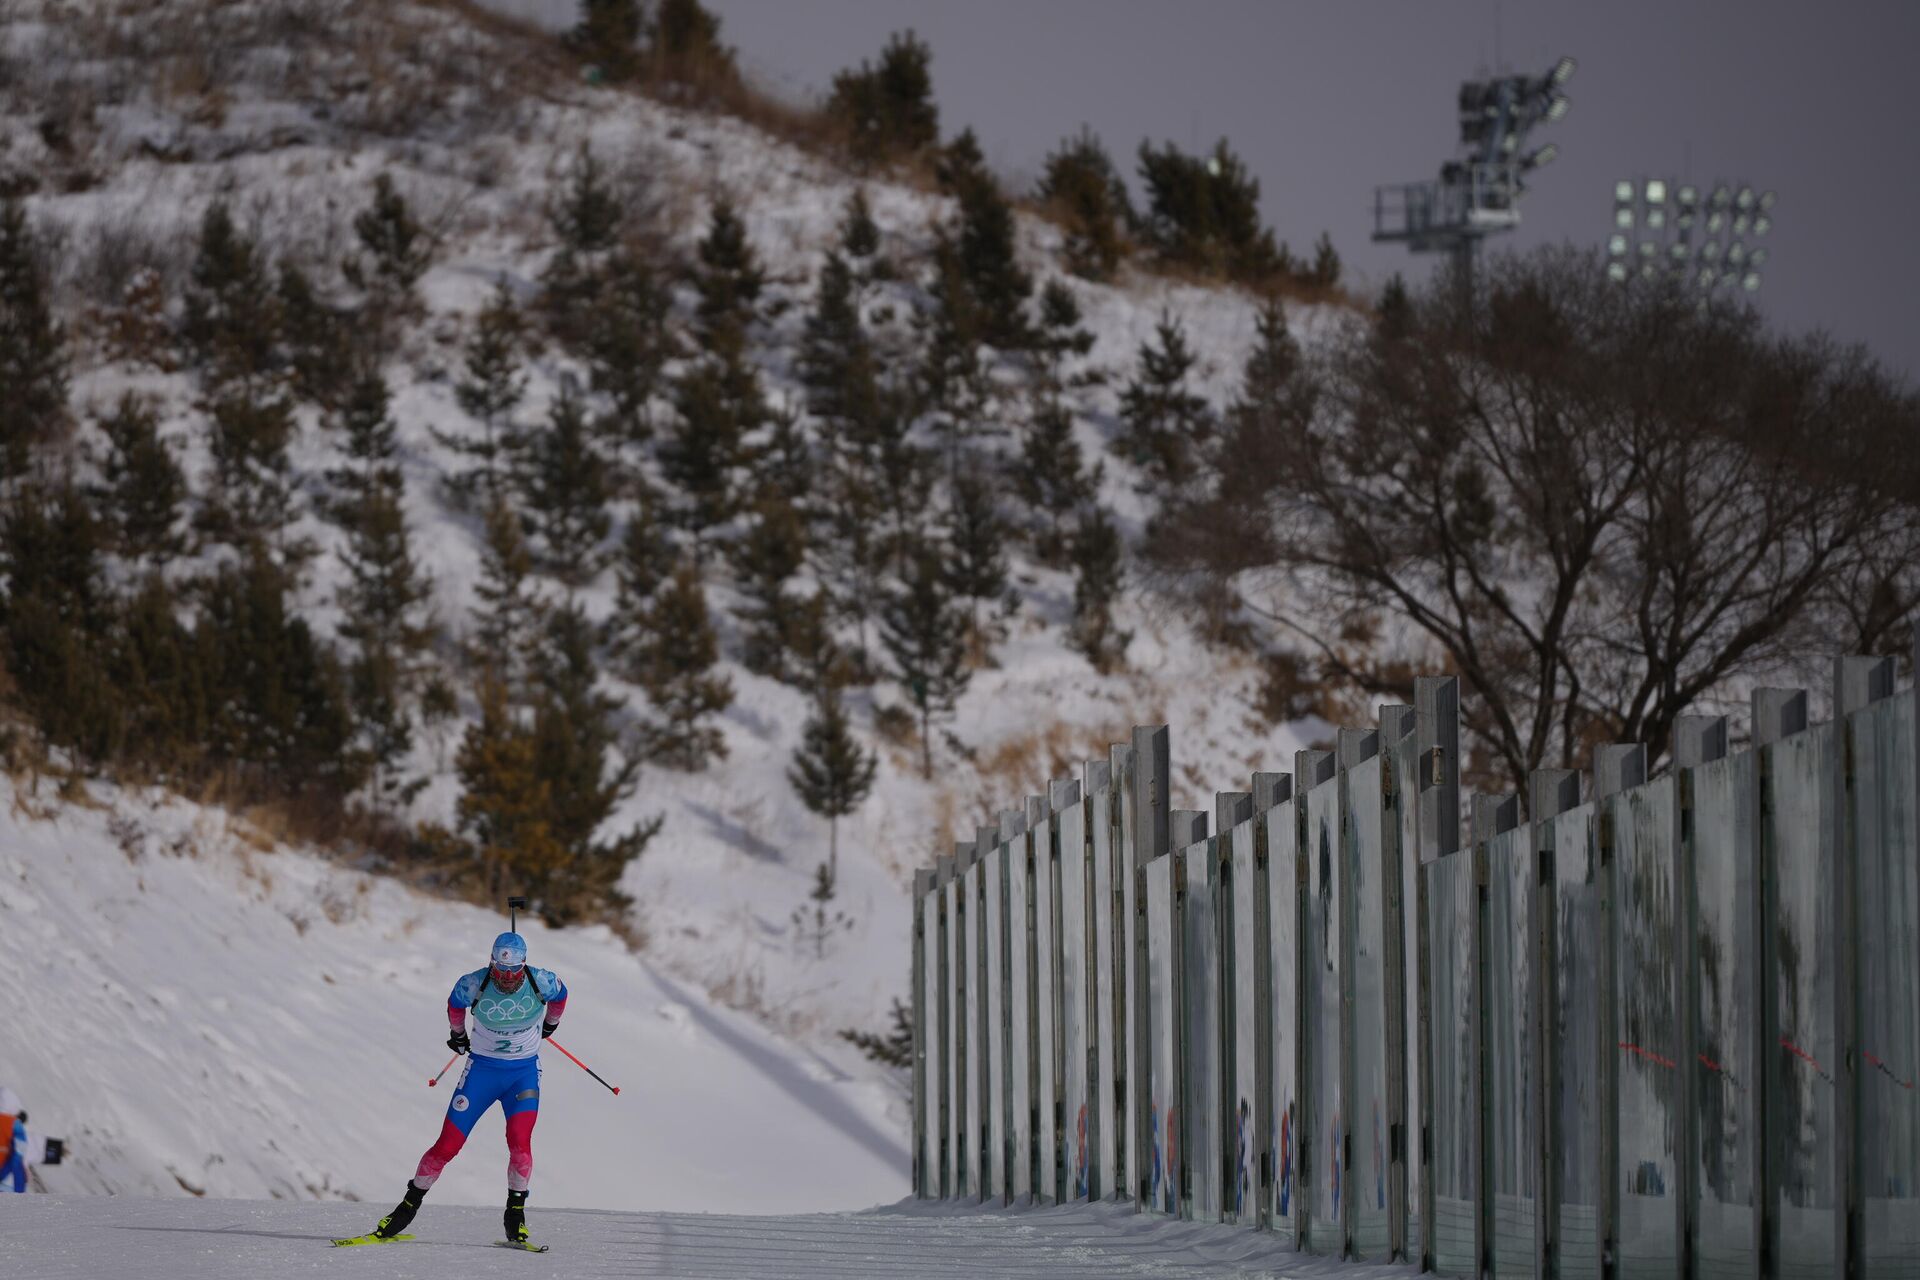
(450, 1061)
(583, 1066)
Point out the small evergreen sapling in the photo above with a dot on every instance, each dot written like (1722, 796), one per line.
(674, 663)
(1164, 426)
(142, 486)
(568, 486)
(927, 639)
(830, 772)
(33, 363)
(1099, 573)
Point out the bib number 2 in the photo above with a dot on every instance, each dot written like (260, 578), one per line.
(504, 1045)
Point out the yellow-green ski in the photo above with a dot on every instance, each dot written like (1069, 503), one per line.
(350, 1241)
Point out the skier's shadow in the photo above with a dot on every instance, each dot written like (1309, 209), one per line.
(235, 1230)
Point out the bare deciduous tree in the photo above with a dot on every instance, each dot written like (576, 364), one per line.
(1601, 505)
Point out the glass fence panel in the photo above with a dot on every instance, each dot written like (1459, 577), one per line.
(933, 1031)
(1249, 987)
(1887, 860)
(1798, 843)
(1077, 1007)
(994, 1181)
(1108, 989)
(1511, 943)
(1283, 1014)
(1017, 952)
(1573, 1028)
(1162, 1101)
(1203, 1150)
(1321, 986)
(1724, 864)
(1366, 906)
(1646, 939)
(1406, 758)
(1452, 960)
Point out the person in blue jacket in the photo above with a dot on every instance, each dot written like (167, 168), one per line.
(514, 1007)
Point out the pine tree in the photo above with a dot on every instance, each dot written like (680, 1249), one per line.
(729, 276)
(685, 49)
(1393, 317)
(674, 663)
(717, 403)
(323, 341)
(1325, 271)
(984, 247)
(630, 343)
(953, 379)
(773, 549)
(1204, 214)
(608, 34)
(55, 617)
(818, 662)
(1267, 381)
(503, 632)
(587, 217)
(819, 922)
(277, 694)
(894, 1047)
(1086, 192)
(1099, 573)
(1164, 425)
(642, 563)
(576, 756)
(232, 314)
(383, 603)
(398, 250)
(859, 234)
(505, 805)
(1052, 476)
(830, 772)
(252, 497)
(142, 488)
(887, 112)
(836, 360)
(926, 638)
(1059, 336)
(33, 362)
(568, 485)
(976, 539)
(490, 388)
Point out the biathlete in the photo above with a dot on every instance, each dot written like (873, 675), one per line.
(514, 1006)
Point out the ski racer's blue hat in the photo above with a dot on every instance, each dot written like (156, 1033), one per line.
(509, 951)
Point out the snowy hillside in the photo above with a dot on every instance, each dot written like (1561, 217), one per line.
(303, 1063)
(198, 1016)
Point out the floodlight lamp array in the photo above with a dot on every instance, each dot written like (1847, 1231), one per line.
(1655, 222)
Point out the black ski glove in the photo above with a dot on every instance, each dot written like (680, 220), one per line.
(458, 1042)
(548, 1028)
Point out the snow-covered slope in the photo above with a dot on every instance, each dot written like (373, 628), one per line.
(474, 125)
(196, 1015)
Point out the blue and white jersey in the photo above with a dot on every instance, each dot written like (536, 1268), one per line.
(506, 1024)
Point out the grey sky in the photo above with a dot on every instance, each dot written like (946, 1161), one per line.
(1815, 100)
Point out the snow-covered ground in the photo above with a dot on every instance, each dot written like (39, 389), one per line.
(87, 1239)
(197, 1016)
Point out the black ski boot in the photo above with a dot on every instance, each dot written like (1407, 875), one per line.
(396, 1222)
(515, 1218)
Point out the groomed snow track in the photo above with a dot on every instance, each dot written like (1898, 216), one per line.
(103, 1238)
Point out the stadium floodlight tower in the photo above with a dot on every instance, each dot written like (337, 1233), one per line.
(1478, 192)
(1709, 238)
